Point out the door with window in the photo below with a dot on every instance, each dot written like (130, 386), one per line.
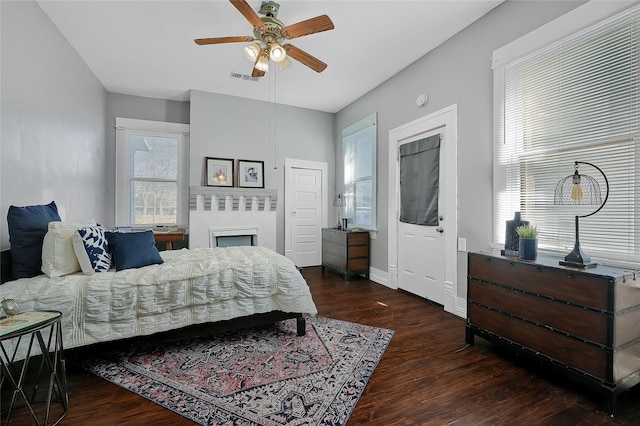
(423, 259)
(421, 249)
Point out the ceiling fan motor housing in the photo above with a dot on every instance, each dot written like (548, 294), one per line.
(270, 32)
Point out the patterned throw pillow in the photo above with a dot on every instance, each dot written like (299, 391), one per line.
(92, 249)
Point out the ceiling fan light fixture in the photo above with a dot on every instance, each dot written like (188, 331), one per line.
(262, 63)
(284, 64)
(277, 52)
(251, 51)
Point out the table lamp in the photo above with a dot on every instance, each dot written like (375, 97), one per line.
(580, 189)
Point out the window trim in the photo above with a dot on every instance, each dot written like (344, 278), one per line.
(125, 126)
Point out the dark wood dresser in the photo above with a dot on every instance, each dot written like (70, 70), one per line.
(586, 322)
(346, 252)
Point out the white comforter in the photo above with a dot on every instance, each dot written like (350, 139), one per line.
(190, 287)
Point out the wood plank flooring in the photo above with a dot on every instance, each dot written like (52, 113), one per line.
(426, 377)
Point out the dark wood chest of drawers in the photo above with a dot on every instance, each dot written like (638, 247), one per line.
(346, 252)
(586, 322)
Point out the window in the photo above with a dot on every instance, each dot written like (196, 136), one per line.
(359, 153)
(575, 99)
(151, 173)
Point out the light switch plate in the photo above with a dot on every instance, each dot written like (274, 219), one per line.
(462, 244)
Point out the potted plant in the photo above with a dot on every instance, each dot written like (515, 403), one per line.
(528, 241)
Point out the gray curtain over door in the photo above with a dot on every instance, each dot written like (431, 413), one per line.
(420, 181)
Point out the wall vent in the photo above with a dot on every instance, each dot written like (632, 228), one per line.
(243, 76)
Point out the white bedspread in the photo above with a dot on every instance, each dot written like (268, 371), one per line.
(190, 287)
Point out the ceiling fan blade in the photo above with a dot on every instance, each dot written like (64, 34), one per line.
(219, 40)
(310, 26)
(303, 57)
(246, 10)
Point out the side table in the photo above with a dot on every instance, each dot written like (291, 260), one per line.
(168, 237)
(45, 328)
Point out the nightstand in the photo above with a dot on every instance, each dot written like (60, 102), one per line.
(346, 252)
(168, 237)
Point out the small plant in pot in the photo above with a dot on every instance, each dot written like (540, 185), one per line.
(528, 241)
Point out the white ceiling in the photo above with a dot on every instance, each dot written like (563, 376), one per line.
(146, 48)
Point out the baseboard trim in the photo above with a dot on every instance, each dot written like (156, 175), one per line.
(380, 277)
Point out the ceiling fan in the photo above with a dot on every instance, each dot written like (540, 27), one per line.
(269, 33)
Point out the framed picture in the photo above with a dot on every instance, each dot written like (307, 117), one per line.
(250, 174)
(219, 171)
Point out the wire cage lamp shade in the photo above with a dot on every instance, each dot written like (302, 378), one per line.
(580, 189)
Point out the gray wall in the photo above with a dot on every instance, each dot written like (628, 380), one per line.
(140, 108)
(232, 127)
(457, 72)
(52, 114)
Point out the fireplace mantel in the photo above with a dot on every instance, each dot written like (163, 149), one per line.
(216, 198)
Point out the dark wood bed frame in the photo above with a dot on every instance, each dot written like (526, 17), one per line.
(233, 324)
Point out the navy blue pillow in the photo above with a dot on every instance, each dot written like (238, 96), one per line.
(27, 228)
(133, 249)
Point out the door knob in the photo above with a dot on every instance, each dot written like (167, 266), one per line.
(440, 229)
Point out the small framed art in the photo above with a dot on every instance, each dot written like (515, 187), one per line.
(250, 174)
(219, 171)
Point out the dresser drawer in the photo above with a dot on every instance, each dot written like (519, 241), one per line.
(359, 238)
(584, 324)
(359, 264)
(584, 356)
(566, 285)
(358, 251)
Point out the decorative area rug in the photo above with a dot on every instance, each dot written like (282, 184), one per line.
(260, 376)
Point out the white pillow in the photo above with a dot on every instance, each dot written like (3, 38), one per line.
(58, 256)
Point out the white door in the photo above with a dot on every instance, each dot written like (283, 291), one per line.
(416, 244)
(423, 259)
(305, 216)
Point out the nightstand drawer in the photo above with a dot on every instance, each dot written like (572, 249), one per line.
(360, 238)
(358, 251)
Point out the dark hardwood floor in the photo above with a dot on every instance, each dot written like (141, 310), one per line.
(426, 377)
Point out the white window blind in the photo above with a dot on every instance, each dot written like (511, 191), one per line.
(573, 100)
(359, 154)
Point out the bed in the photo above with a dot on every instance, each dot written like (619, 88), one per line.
(174, 289)
(190, 287)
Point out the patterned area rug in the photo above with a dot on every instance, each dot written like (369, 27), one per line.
(261, 376)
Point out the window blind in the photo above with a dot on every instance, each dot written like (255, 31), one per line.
(573, 100)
